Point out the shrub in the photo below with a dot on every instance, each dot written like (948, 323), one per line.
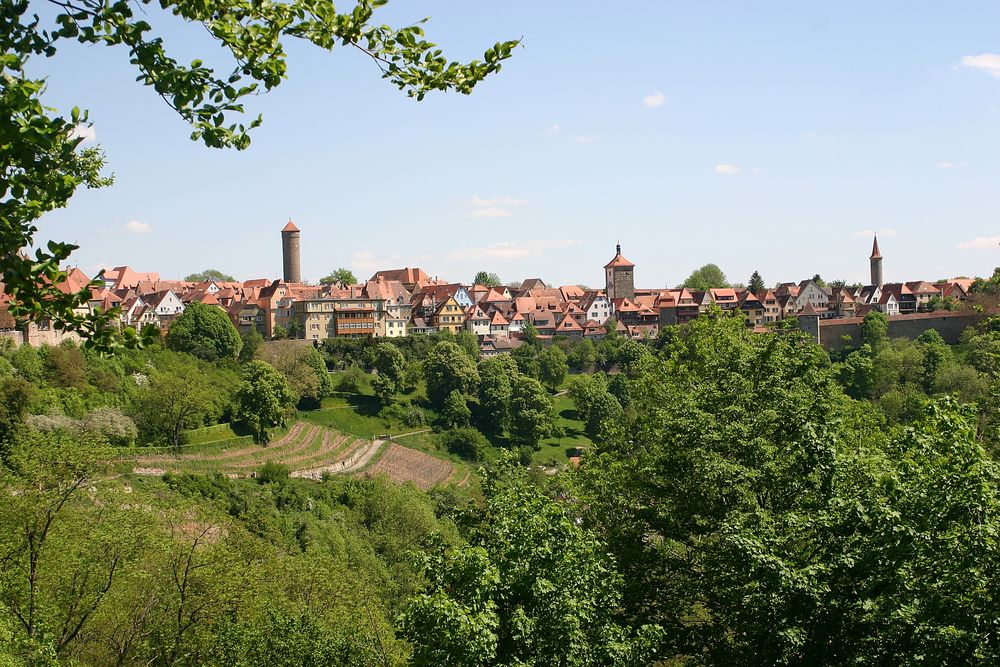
(409, 415)
(524, 454)
(468, 443)
(111, 424)
(272, 473)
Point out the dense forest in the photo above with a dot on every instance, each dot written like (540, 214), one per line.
(747, 499)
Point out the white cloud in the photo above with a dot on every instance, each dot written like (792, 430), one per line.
(869, 233)
(136, 227)
(951, 165)
(553, 129)
(988, 62)
(494, 207)
(981, 243)
(367, 262)
(480, 202)
(586, 139)
(654, 100)
(810, 135)
(726, 169)
(511, 249)
(489, 212)
(86, 132)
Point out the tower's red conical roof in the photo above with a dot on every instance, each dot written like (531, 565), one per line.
(290, 227)
(875, 253)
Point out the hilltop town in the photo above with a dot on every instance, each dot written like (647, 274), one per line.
(407, 301)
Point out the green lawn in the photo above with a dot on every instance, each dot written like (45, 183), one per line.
(557, 450)
(199, 436)
(357, 414)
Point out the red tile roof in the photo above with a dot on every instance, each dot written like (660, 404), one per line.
(618, 261)
(290, 227)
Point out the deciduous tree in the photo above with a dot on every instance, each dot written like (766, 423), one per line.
(447, 369)
(303, 368)
(341, 275)
(205, 332)
(390, 369)
(534, 588)
(455, 412)
(552, 367)
(532, 415)
(263, 399)
(487, 279)
(707, 277)
(176, 397)
(209, 275)
(495, 375)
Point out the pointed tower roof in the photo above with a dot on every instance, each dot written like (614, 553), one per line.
(290, 227)
(618, 260)
(875, 253)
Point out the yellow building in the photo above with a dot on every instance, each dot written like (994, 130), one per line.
(449, 316)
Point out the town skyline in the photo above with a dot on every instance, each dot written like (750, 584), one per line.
(306, 277)
(756, 138)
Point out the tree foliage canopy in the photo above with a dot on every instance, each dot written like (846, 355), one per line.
(341, 275)
(263, 399)
(205, 332)
(447, 369)
(532, 588)
(43, 163)
(707, 277)
(487, 279)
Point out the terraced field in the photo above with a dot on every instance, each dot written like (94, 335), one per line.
(305, 447)
(401, 465)
(310, 451)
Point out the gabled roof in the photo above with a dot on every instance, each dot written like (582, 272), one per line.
(567, 323)
(723, 294)
(496, 294)
(530, 284)
(407, 276)
(475, 313)
(625, 305)
(498, 319)
(922, 287)
(156, 298)
(571, 292)
(618, 261)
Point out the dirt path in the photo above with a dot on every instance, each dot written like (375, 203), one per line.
(356, 461)
(403, 435)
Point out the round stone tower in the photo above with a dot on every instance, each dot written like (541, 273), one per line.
(876, 265)
(290, 257)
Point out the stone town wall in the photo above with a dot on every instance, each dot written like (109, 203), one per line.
(839, 333)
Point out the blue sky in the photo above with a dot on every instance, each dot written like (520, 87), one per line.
(774, 137)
